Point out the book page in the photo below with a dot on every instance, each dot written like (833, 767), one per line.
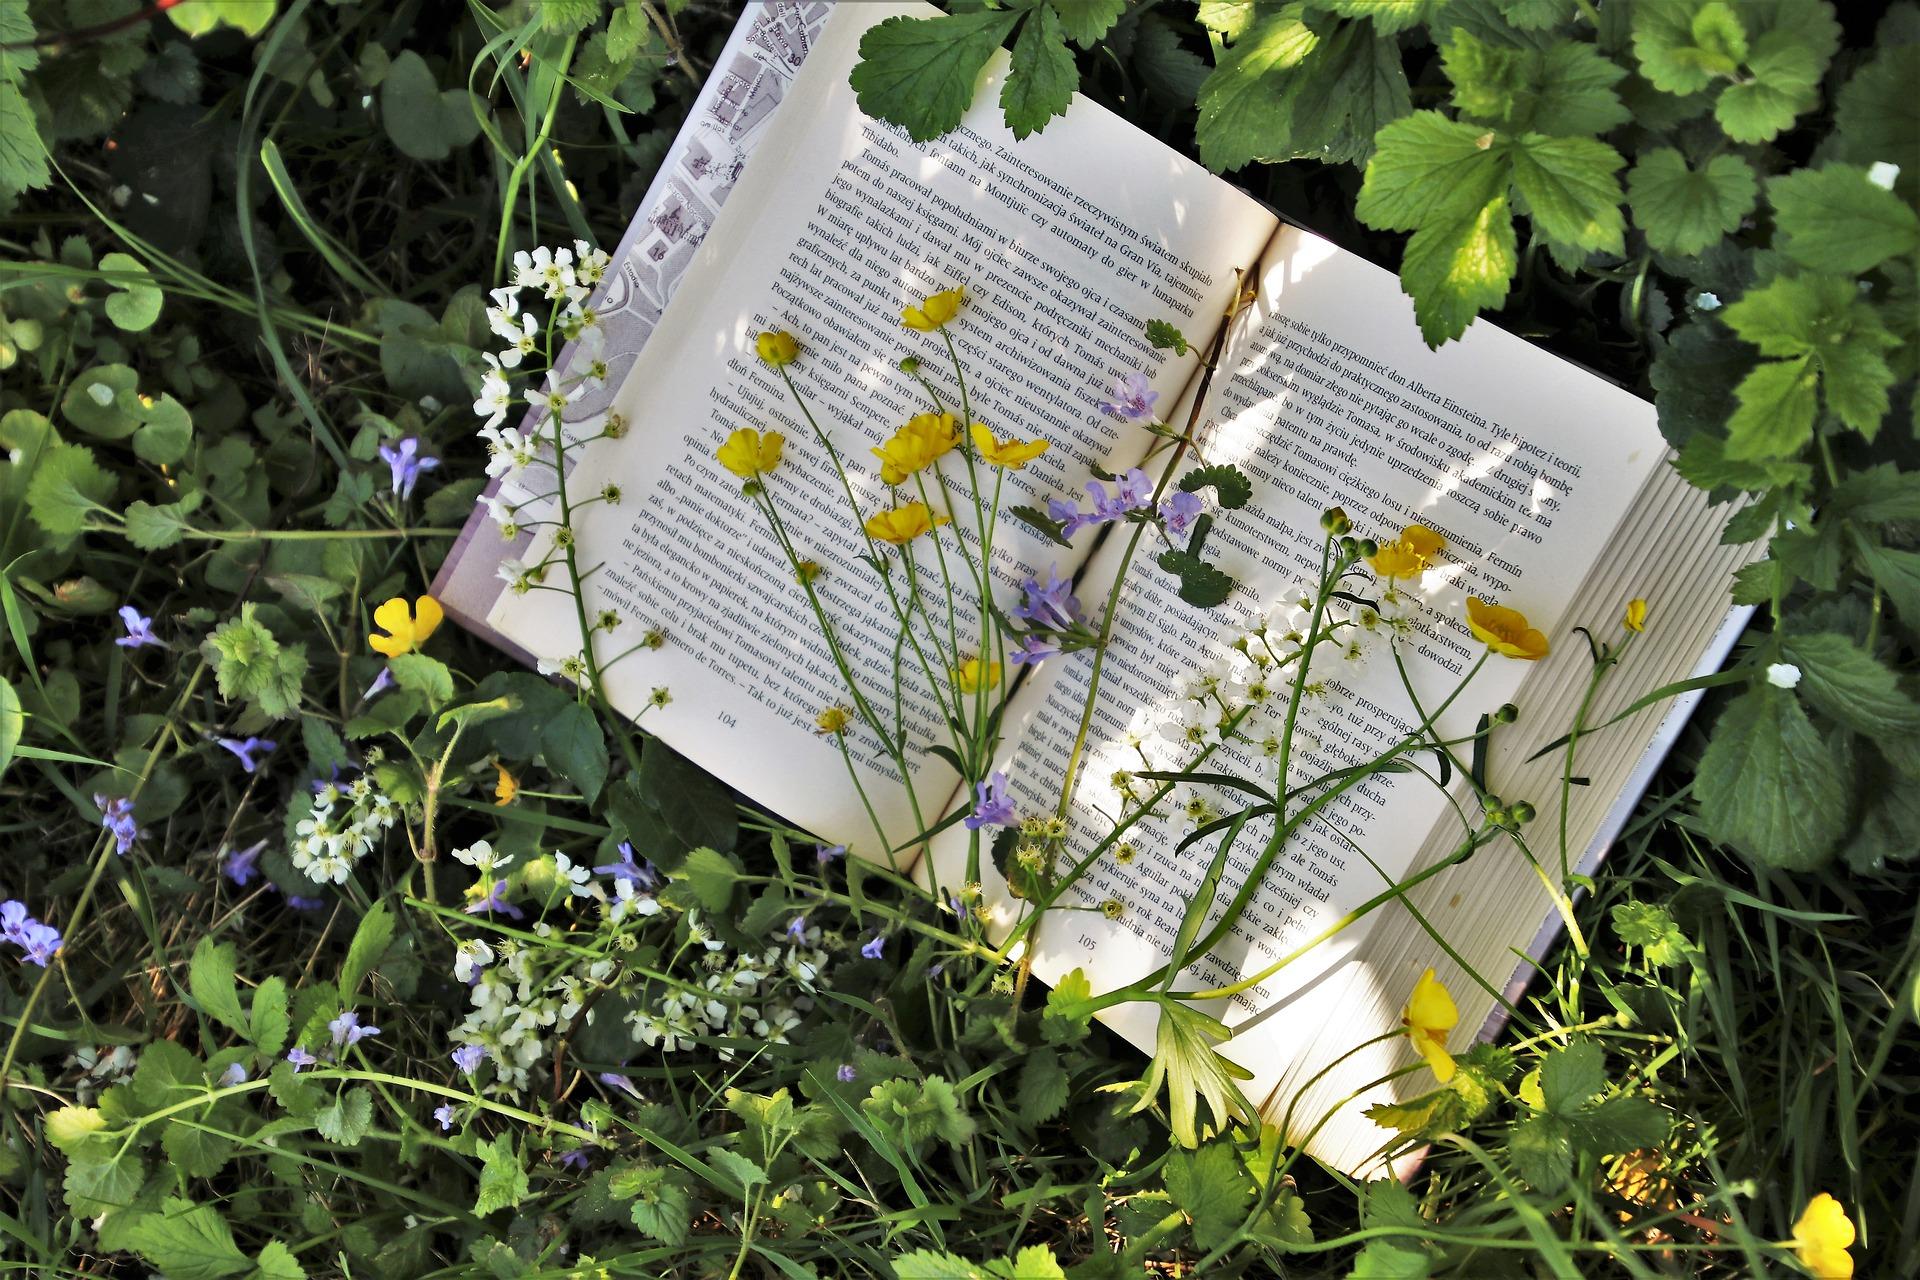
(1523, 462)
(1066, 242)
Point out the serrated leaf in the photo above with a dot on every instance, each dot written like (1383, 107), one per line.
(1774, 418)
(23, 158)
(1245, 99)
(1874, 118)
(1563, 89)
(185, 1241)
(710, 876)
(503, 1181)
(155, 528)
(276, 1261)
(1085, 21)
(195, 1152)
(1043, 1087)
(1571, 193)
(1570, 1075)
(920, 73)
(95, 1187)
(1834, 219)
(1162, 336)
(1542, 1150)
(1684, 210)
(210, 979)
(1042, 76)
(1455, 270)
(1211, 1188)
(1842, 680)
(424, 675)
(1685, 45)
(1069, 1008)
(1230, 485)
(1429, 169)
(1898, 574)
(1782, 81)
(664, 1210)
(1769, 785)
(1201, 584)
(67, 487)
(347, 1118)
(1389, 17)
(737, 1167)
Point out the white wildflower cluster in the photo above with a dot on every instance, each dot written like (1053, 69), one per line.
(758, 995)
(563, 279)
(524, 994)
(344, 825)
(99, 1069)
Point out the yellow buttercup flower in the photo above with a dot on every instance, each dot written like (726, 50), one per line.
(1822, 1237)
(1408, 555)
(1636, 619)
(777, 347)
(916, 445)
(934, 310)
(1011, 454)
(504, 787)
(903, 524)
(972, 674)
(407, 629)
(1504, 630)
(834, 720)
(1429, 1017)
(747, 453)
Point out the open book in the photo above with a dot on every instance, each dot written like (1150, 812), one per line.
(1550, 485)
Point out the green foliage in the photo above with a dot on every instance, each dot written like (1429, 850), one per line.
(251, 664)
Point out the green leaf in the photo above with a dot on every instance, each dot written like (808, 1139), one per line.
(1874, 118)
(1388, 16)
(154, 528)
(1244, 104)
(370, 942)
(1041, 80)
(94, 1187)
(1776, 411)
(1085, 21)
(920, 73)
(269, 1023)
(1834, 219)
(428, 677)
(250, 17)
(1542, 1150)
(744, 1172)
(277, 1262)
(695, 809)
(1230, 485)
(1455, 270)
(662, 1206)
(1387, 1260)
(1782, 82)
(1768, 784)
(1429, 169)
(67, 487)
(194, 1151)
(183, 1240)
(503, 1182)
(1877, 494)
(1210, 1187)
(564, 17)
(1185, 1060)
(1685, 45)
(166, 430)
(23, 157)
(1563, 89)
(1685, 210)
(1069, 1009)
(915, 1112)
(423, 121)
(711, 877)
(347, 1118)
(210, 979)
(1162, 336)
(250, 663)
(1823, 322)
(101, 402)
(135, 303)
(576, 749)
(1898, 574)
(1042, 1093)
(1844, 681)
(13, 723)
(1571, 193)
(1201, 584)
(1571, 1075)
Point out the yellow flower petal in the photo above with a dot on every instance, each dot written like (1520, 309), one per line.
(427, 617)
(407, 628)
(1408, 555)
(1429, 1016)
(1636, 617)
(504, 787)
(903, 524)
(970, 675)
(1011, 454)
(747, 453)
(777, 347)
(917, 445)
(1822, 1237)
(934, 310)
(1505, 631)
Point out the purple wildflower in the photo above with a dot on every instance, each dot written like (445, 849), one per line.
(300, 1058)
(1050, 603)
(247, 749)
(993, 807)
(1072, 519)
(614, 1080)
(444, 1114)
(575, 1159)
(299, 903)
(874, 947)
(381, 683)
(406, 462)
(1132, 492)
(1180, 511)
(495, 901)
(332, 779)
(39, 942)
(347, 1031)
(1133, 398)
(846, 1073)
(139, 629)
(238, 865)
(641, 875)
(797, 927)
(233, 1075)
(830, 853)
(116, 815)
(14, 920)
(468, 1057)
(1033, 647)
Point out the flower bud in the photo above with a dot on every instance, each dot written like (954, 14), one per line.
(1506, 713)
(1368, 547)
(1350, 547)
(1334, 521)
(1490, 803)
(909, 364)
(1499, 818)
(1522, 811)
